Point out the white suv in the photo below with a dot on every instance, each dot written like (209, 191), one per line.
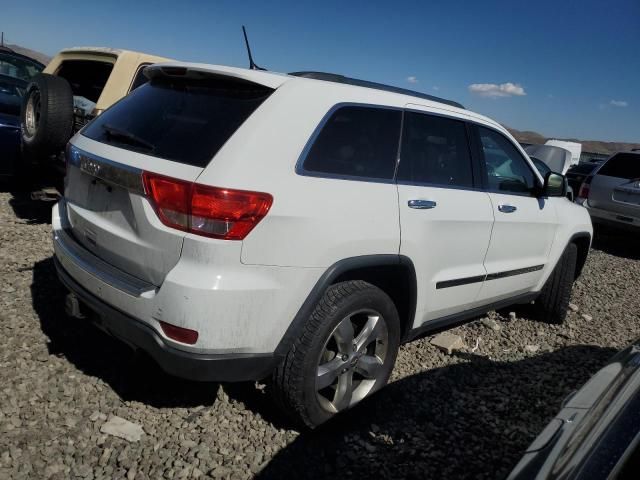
(238, 225)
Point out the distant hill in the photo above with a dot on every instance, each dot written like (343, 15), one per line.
(40, 57)
(593, 146)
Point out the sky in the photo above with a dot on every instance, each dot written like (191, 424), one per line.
(563, 68)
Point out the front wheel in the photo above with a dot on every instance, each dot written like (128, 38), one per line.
(345, 353)
(553, 301)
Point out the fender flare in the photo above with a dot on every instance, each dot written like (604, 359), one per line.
(328, 278)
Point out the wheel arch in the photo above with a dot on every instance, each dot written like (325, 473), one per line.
(582, 240)
(394, 274)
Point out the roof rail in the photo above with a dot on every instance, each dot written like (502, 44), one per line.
(333, 77)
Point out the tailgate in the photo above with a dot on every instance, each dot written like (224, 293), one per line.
(173, 126)
(616, 195)
(111, 217)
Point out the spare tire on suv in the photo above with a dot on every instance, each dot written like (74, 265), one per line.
(46, 119)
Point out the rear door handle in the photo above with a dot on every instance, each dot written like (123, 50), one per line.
(422, 204)
(507, 208)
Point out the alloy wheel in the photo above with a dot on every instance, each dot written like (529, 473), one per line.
(351, 360)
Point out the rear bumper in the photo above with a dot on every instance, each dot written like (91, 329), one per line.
(613, 219)
(192, 366)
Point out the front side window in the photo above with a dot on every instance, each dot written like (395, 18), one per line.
(357, 141)
(435, 151)
(507, 170)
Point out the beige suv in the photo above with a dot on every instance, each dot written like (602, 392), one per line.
(77, 85)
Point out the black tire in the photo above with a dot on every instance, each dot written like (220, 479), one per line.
(294, 381)
(46, 118)
(553, 301)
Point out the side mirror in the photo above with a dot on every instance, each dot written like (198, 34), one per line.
(555, 185)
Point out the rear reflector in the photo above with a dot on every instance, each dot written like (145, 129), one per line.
(209, 211)
(179, 334)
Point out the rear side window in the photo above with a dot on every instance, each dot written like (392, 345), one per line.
(435, 151)
(183, 120)
(622, 165)
(86, 77)
(357, 141)
(507, 170)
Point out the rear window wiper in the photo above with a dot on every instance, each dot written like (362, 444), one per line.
(126, 137)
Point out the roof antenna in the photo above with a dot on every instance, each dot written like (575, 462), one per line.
(252, 64)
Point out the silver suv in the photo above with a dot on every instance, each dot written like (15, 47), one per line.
(612, 193)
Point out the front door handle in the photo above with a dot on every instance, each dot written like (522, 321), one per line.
(421, 204)
(504, 208)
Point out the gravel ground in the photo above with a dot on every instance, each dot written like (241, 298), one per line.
(469, 414)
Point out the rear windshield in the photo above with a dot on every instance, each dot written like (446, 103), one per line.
(186, 121)
(622, 165)
(86, 77)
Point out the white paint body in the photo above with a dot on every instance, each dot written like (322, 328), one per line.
(241, 296)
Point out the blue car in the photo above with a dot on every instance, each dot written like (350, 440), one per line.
(16, 71)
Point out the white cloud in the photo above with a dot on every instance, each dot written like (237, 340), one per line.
(412, 79)
(493, 90)
(619, 103)
(436, 88)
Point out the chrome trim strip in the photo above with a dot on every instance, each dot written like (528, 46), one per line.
(68, 251)
(108, 171)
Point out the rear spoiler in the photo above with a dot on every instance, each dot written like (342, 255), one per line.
(202, 71)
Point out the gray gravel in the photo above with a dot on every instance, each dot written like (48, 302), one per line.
(469, 414)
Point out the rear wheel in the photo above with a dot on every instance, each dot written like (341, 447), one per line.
(553, 301)
(345, 353)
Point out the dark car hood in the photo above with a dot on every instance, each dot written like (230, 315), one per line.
(593, 429)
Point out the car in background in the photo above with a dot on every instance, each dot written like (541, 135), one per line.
(76, 86)
(578, 173)
(16, 70)
(597, 432)
(611, 193)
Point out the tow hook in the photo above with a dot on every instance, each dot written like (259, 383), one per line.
(72, 306)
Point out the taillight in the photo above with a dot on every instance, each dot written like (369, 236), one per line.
(209, 211)
(584, 188)
(170, 198)
(225, 213)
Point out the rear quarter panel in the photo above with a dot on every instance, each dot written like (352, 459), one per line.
(313, 221)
